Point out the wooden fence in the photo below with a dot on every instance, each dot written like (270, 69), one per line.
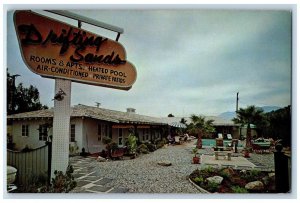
(30, 164)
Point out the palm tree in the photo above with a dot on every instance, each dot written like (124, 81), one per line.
(247, 116)
(200, 127)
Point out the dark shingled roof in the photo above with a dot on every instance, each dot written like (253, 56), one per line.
(95, 113)
(116, 116)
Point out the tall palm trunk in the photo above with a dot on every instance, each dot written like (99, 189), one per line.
(199, 140)
(248, 137)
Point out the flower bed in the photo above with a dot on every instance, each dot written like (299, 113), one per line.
(228, 180)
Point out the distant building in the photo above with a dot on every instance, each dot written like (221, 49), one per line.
(222, 126)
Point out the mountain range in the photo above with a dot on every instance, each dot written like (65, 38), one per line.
(231, 114)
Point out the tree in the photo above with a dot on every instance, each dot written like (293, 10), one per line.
(200, 127)
(250, 115)
(279, 125)
(21, 99)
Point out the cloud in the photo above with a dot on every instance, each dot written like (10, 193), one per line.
(194, 61)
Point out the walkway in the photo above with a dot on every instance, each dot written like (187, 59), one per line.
(143, 174)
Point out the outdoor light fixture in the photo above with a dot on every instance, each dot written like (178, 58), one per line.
(60, 95)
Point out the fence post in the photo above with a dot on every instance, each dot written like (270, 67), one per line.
(282, 181)
(49, 143)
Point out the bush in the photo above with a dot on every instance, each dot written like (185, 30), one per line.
(35, 182)
(113, 146)
(160, 143)
(62, 183)
(143, 149)
(208, 170)
(251, 175)
(132, 143)
(106, 140)
(224, 174)
(199, 180)
(151, 146)
(212, 187)
(238, 189)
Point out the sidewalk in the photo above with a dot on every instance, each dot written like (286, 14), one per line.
(88, 178)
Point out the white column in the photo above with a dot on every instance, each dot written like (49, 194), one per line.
(61, 127)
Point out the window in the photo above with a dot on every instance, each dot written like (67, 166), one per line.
(72, 137)
(25, 130)
(43, 134)
(120, 136)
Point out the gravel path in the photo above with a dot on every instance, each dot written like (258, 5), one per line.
(144, 175)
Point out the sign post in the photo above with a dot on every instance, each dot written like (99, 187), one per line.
(66, 53)
(61, 127)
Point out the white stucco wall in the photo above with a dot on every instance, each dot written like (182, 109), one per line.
(32, 141)
(78, 122)
(86, 134)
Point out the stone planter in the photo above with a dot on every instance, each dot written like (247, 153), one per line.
(198, 187)
(11, 174)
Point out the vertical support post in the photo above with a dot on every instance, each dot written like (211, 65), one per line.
(136, 132)
(61, 127)
(237, 102)
(49, 160)
(282, 181)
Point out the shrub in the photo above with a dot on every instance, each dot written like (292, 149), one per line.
(151, 147)
(106, 140)
(160, 143)
(208, 170)
(251, 175)
(35, 182)
(199, 180)
(113, 146)
(224, 174)
(212, 186)
(238, 189)
(62, 183)
(255, 173)
(143, 149)
(132, 143)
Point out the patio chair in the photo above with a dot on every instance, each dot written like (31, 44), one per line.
(219, 143)
(229, 137)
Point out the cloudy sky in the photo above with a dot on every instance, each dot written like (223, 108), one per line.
(187, 61)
